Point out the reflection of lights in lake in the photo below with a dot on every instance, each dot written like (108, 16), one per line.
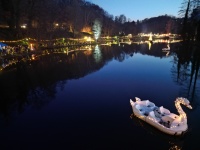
(66, 51)
(97, 54)
(149, 45)
(89, 47)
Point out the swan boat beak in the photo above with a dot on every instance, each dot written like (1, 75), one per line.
(189, 106)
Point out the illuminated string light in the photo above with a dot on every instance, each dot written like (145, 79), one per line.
(180, 123)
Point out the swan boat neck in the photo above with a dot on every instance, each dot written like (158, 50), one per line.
(160, 117)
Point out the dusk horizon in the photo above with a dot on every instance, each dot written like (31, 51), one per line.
(140, 10)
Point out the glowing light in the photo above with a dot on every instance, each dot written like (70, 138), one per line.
(178, 123)
(97, 29)
(149, 45)
(33, 57)
(150, 37)
(86, 29)
(88, 39)
(97, 54)
(23, 26)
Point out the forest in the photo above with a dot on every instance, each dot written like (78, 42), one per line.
(50, 19)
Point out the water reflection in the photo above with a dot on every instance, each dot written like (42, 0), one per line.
(174, 142)
(150, 43)
(69, 87)
(97, 54)
(185, 69)
(167, 48)
(33, 80)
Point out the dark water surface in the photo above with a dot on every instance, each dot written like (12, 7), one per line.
(80, 99)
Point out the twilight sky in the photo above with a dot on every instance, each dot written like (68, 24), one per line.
(140, 9)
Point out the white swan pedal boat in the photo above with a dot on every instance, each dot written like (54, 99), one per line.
(160, 117)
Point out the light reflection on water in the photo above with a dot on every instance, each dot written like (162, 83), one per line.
(80, 99)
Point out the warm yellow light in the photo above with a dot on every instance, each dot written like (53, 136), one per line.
(85, 38)
(88, 39)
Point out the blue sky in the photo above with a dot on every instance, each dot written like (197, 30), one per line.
(140, 9)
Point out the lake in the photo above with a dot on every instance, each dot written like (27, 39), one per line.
(80, 99)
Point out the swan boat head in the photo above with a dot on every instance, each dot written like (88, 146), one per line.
(187, 103)
(184, 101)
(181, 121)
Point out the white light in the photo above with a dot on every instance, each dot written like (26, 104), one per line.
(97, 29)
(23, 26)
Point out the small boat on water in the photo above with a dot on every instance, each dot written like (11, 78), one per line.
(166, 48)
(160, 117)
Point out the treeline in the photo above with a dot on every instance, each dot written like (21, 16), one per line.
(50, 19)
(190, 12)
